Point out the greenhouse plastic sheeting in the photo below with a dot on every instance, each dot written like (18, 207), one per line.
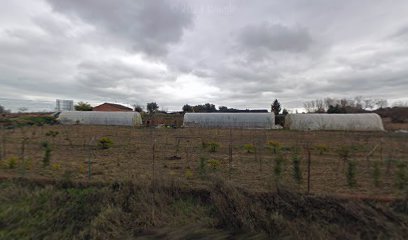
(101, 118)
(229, 120)
(345, 122)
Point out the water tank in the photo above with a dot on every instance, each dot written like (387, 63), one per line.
(64, 105)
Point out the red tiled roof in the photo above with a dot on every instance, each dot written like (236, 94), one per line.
(118, 106)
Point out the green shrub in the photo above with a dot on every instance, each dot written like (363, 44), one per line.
(105, 143)
(202, 167)
(51, 133)
(214, 164)
(11, 162)
(274, 146)
(351, 173)
(188, 174)
(213, 146)
(249, 148)
(47, 153)
(321, 148)
(376, 173)
(297, 173)
(278, 168)
(401, 175)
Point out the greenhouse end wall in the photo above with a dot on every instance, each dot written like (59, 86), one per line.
(344, 122)
(229, 120)
(101, 118)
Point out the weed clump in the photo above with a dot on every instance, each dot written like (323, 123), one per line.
(274, 146)
(321, 148)
(278, 168)
(214, 164)
(202, 167)
(47, 153)
(297, 173)
(376, 173)
(212, 146)
(401, 175)
(105, 143)
(11, 163)
(249, 148)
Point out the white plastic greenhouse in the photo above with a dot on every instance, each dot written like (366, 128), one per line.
(229, 120)
(101, 118)
(345, 122)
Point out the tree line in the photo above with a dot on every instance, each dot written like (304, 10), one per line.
(344, 105)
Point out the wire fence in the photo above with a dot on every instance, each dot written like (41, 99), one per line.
(371, 163)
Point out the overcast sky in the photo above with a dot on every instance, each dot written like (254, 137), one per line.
(241, 54)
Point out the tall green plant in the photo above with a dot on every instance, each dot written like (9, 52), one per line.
(297, 173)
(47, 153)
(401, 175)
(376, 173)
(278, 168)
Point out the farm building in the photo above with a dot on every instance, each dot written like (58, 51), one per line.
(229, 120)
(101, 118)
(345, 122)
(111, 107)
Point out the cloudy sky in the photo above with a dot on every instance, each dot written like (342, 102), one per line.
(237, 53)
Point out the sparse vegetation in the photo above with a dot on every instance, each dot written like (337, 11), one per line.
(11, 162)
(351, 173)
(297, 173)
(47, 153)
(274, 146)
(213, 147)
(376, 173)
(214, 164)
(401, 175)
(249, 148)
(105, 143)
(321, 148)
(278, 167)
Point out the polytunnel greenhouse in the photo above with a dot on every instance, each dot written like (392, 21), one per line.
(229, 120)
(101, 118)
(345, 122)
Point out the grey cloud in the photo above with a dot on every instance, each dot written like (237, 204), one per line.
(149, 26)
(275, 37)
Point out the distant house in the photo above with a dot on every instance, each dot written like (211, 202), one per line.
(111, 107)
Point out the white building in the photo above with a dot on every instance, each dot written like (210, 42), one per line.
(344, 122)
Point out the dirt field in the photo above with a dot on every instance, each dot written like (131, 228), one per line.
(179, 154)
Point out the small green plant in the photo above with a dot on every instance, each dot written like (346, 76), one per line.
(401, 175)
(213, 146)
(27, 164)
(105, 143)
(249, 148)
(376, 173)
(11, 162)
(56, 166)
(297, 173)
(51, 133)
(278, 168)
(321, 148)
(344, 152)
(47, 153)
(351, 173)
(188, 174)
(274, 146)
(214, 164)
(202, 167)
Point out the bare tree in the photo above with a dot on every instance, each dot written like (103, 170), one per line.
(381, 103)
